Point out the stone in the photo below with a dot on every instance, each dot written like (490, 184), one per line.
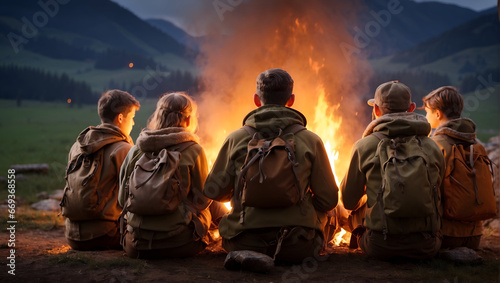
(47, 205)
(57, 195)
(461, 255)
(42, 195)
(248, 260)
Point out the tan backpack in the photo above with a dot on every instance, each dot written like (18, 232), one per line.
(268, 177)
(82, 199)
(468, 193)
(155, 184)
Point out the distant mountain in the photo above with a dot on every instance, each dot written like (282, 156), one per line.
(174, 31)
(94, 24)
(492, 10)
(480, 32)
(412, 23)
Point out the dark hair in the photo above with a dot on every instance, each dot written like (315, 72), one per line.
(171, 110)
(274, 86)
(114, 102)
(447, 99)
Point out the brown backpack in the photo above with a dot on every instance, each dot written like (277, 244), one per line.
(468, 193)
(268, 177)
(155, 184)
(82, 199)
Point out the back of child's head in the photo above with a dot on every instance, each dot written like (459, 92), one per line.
(274, 86)
(447, 99)
(171, 110)
(114, 102)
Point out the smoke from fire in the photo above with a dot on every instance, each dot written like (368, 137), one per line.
(302, 37)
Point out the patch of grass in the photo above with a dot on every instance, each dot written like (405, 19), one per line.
(78, 259)
(28, 218)
(44, 133)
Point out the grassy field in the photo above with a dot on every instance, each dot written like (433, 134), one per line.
(43, 133)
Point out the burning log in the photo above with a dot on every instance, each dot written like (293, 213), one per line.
(31, 168)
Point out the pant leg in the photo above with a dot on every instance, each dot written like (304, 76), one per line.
(455, 242)
(297, 244)
(414, 245)
(110, 241)
(188, 249)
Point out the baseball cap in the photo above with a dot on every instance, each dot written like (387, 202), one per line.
(393, 96)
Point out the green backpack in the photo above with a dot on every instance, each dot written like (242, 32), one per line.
(407, 190)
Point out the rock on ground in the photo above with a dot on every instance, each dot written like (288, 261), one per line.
(47, 205)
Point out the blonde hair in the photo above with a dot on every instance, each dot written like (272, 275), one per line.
(171, 110)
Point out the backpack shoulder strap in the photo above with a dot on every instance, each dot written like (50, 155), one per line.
(250, 130)
(293, 129)
(379, 135)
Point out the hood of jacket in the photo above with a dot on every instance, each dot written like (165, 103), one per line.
(156, 140)
(462, 129)
(269, 118)
(94, 138)
(399, 124)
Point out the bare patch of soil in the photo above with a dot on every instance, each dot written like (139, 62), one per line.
(44, 256)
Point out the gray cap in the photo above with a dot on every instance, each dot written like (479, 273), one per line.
(393, 96)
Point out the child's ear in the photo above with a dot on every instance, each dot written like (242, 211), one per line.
(256, 100)
(413, 106)
(291, 100)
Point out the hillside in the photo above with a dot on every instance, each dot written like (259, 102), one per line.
(92, 41)
(175, 32)
(481, 32)
(92, 22)
(412, 24)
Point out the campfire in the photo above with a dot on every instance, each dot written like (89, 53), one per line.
(302, 37)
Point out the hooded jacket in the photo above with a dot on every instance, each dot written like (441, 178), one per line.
(116, 146)
(314, 174)
(463, 131)
(194, 169)
(364, 176)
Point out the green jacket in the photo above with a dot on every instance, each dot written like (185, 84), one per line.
(194, 170)
(315, 176)
(364, 175)
(463, 131)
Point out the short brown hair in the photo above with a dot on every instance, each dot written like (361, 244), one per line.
(274, 86)
(171, 110)
(447, 99)
(114, 102)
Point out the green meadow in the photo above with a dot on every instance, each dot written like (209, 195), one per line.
(43, 133)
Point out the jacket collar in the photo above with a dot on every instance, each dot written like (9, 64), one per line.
(395, 124)
(156, 140)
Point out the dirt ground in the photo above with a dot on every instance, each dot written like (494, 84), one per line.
(44, 256)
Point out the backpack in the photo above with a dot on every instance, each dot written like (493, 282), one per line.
(155, 184)
(468, 193)
(268, 176)
(82, 200)
(407, 190)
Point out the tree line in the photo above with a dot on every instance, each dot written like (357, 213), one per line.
(24, 83)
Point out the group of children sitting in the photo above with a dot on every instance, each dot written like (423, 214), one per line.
(156, 198)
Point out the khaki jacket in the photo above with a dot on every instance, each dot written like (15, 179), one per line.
(194, 170)
(364, 176)
(463, 131)
(116, 146)
(315, 176)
